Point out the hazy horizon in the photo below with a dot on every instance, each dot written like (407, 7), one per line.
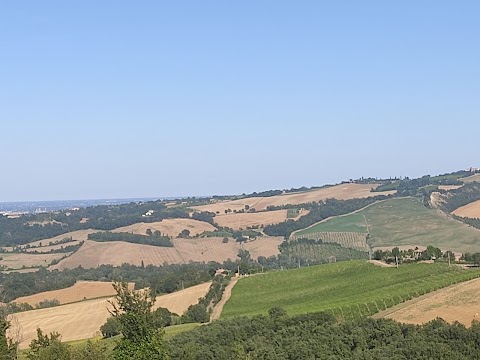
(111, 101)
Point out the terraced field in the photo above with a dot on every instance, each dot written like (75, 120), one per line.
(345, 289)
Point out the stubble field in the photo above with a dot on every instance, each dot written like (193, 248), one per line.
(93, 254)
(82, 290)
(345, 289)
(170, 227)
(82, 320)
(340, 192)
(471, 210)
(460, 302)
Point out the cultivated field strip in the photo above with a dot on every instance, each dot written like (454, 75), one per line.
(351, 240)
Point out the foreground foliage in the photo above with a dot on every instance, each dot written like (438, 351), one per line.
(318, 336)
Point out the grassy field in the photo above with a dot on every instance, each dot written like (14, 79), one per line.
(406, 221)
(351, 223)
(346, 289)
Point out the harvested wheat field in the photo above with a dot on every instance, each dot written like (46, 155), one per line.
(82, 320)
(471, 210)
(340, 192)
(18, 261)
(78, 235)
(171, 227)
(93, 254)
(47, 249)
(244, 220)
(82, 290)
(471, 179)
(178, 302)
(460, 302)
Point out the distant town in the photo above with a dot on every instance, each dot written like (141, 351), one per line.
(16, 209)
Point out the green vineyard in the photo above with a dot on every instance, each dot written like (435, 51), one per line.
(306, 251)
(353, 240)
(348, 290)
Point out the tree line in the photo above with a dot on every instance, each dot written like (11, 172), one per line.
(155, 239)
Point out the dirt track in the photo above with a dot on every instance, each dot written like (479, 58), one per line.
(217, 311)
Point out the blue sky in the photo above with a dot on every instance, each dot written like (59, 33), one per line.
(109, 99)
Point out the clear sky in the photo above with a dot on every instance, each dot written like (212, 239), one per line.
(117, 99)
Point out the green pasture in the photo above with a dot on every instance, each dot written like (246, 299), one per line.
(350, 223)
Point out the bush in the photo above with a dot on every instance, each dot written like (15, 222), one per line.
(111, 328)
(47, 304)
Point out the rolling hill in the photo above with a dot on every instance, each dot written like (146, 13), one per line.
(340, 192)
(82, 320)
(404, 221)
(92, 253)
(346, 289)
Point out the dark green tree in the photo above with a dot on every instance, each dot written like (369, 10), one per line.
(8, 348)
(48, 347)
(112, 327)
(141, 340)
